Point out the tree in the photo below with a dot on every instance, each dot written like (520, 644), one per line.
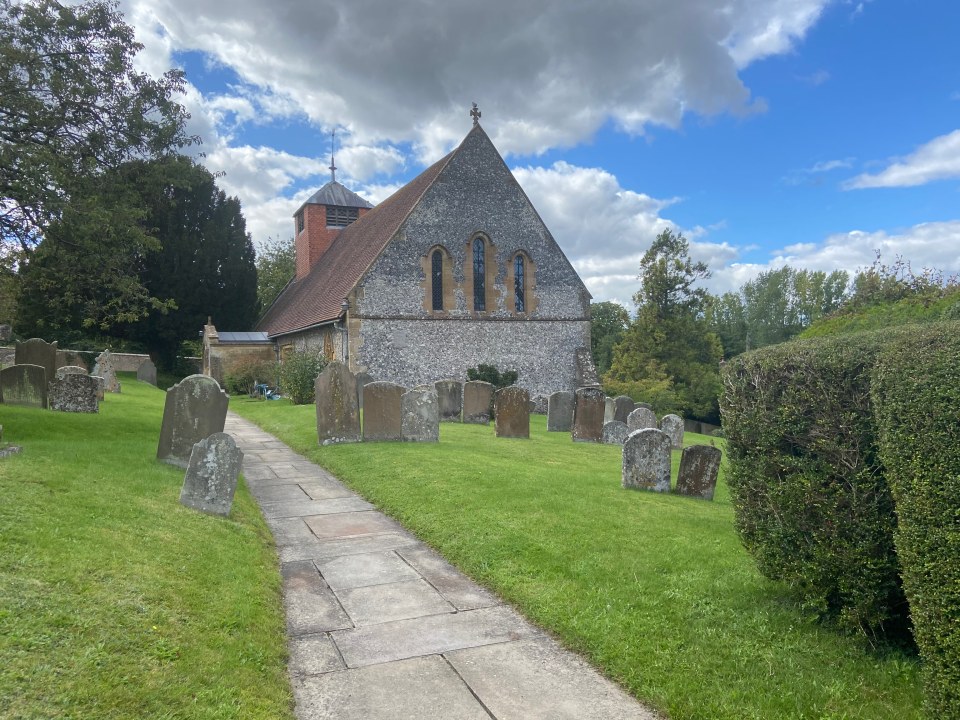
(276, 266)
(608, 322)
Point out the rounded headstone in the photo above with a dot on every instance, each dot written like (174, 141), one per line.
(614, 433)
(672, 425)
(195, 408)
(623, 405)
(69, 370)
(641, 419)
(211, 478)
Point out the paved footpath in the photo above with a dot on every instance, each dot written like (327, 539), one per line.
(381, 627)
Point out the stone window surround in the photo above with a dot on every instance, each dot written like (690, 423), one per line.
(449, 289)
(529, 283)
(490, 274)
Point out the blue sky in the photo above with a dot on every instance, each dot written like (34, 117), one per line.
(812, 132)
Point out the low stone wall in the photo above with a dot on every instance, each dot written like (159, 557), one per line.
(122, 362)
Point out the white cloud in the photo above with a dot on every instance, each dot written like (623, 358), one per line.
(939, 159)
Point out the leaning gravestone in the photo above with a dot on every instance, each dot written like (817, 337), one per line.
(609, 409)
(363, 378)
(614, 433)
(477, 398)
(699, 467)
(195, 409)
(419, 416)
(211, 478)
(62, 372)
(646, 460)
(104, 368)
(24, 385)
(641, 419)
(147, 372)
(672, 425)
(37, 352)
(560, 412)
(588, 411)
(450, 397)
(381, 412)
(338, 407)
(75, 393)
(512, 412)
(623, 405)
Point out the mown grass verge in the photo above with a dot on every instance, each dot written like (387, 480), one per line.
(656, 590)
(116, 601)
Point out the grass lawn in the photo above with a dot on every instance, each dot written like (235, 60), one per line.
(116, 601)
(654, 589)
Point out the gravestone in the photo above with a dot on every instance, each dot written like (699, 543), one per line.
(147, 372)
(37, 352)
(609, 409)
(99, 387)
(62, 372)
(450, 398)
(672, 425)
(623, 405)
(560, 412)
(6, 330)
(699, 467)
(24, 385)
(363, 378)
(420, 416)
(540, 404)
(195, 408)
(74, 393)
(381, 412)
(512, 412)
(646, 460)
(588, 411)
(104, 368)
(477, 398)
(641, 419)
(338, 407)
(614, 433)
(211, 478)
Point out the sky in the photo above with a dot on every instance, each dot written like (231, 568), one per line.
(814, 133)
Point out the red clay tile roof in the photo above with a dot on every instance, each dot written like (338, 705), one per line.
(316, 299)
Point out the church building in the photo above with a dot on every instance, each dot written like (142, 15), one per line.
(453, 270)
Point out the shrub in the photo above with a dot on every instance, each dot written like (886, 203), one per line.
(916, 392)
(243, 375)
(490, 374)
(298, 375)
(811, 501)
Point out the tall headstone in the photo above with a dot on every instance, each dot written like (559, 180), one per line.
(512, 412)
(420, 416)
(623, 405)
(24, 385)
(62, 372)
(363, 379)
(588, 410)
(699, 467)
(614, 433)
(450, 397)
(477, 401)
(74, 393)
(672, 425)
(211, 478)
(609, 409)
(104, 368)
(37, 352)
(381, 411)
(560, 412)
(195, 408)
(338, 407)
(147, 372)
(646, 460)
(641, 419)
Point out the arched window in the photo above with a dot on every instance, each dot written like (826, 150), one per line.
(479, 275)
(436, 261)
(519, 296)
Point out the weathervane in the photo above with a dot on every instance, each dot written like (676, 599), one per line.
(333, 145)
(475, 114)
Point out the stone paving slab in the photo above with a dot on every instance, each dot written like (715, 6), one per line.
(425, 688)
(290, 531)
(257, 471)
(353, 571)
(459, 590)
(320, 549)
(351, 523)
(394, 601)
(311, 605)
(314, 655)
(278, 493)
(304, 508)
(325, 489)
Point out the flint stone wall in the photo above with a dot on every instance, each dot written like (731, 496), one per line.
(195, 408)
(75, 393)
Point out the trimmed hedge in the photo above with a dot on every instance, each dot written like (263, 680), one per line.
(811, 501)
(916, 392)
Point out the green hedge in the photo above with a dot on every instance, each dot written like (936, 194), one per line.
(916, 392)
(811, 501)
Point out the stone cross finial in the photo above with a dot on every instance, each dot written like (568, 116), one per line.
(475, 114)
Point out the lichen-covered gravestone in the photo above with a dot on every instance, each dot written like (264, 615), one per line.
(420, 416)
(74, 393)
(477, 397)
(588, 411)
(62, 372)
(338, 407)
(512, 412)
(641, 419)
(609, 409)
(195, 408)
(699, 467)
(646, 460)
(100, 384)
(104, 368)
(614, 433)
(363, 378)
(450, 397)
(211, 478)
(24, 385)
(623, 405)
(381, 411)
(37, 352)
(147, 372)
(560, 412)
(672, 425)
